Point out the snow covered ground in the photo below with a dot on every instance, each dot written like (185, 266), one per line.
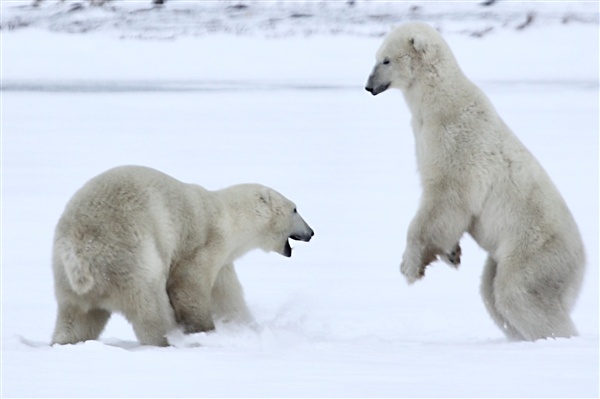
(285, 18)
(336, 319)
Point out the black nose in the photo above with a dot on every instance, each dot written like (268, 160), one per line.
(369, 89)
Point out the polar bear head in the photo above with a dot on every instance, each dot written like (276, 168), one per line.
(284, 223)
(409, 52)
(270, 218)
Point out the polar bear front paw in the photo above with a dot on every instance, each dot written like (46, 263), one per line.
(453, 257)
(411, 272)
(411, 269)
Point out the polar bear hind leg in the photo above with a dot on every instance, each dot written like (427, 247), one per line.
(75, 321)
(150, 315)
(533, 306)
(145, 303)
(488, 294)
(74, 324)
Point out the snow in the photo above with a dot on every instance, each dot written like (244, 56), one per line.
(336, 319)
(284, 18)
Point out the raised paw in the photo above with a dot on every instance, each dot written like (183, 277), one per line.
(453, 257)
(411, 271)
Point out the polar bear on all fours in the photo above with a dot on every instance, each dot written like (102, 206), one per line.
(136, 241)
(477, 177)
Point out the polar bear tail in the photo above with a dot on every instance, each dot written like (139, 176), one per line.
(76, 267)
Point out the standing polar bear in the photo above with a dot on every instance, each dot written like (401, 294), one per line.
(477, 177)
(136, 241)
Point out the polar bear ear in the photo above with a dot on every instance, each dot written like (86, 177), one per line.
(264, 206)
(419, 43)
(264, 196)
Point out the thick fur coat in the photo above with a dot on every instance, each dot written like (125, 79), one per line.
(136, 241)
(477, 177)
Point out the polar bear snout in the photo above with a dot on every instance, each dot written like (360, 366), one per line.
(376, 89)
(303, 237)
(301, 231)
(377, 82)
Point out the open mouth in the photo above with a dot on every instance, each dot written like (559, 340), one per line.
(287, 249)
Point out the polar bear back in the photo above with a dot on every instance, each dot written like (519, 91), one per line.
(117, 212)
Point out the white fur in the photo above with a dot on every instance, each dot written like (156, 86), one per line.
(477, 177)
(136, 241)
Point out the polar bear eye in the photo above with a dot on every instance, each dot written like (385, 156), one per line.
(386, 61)
(295, 211)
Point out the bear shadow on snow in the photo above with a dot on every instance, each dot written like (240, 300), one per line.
(477, 177)
(136, 241)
